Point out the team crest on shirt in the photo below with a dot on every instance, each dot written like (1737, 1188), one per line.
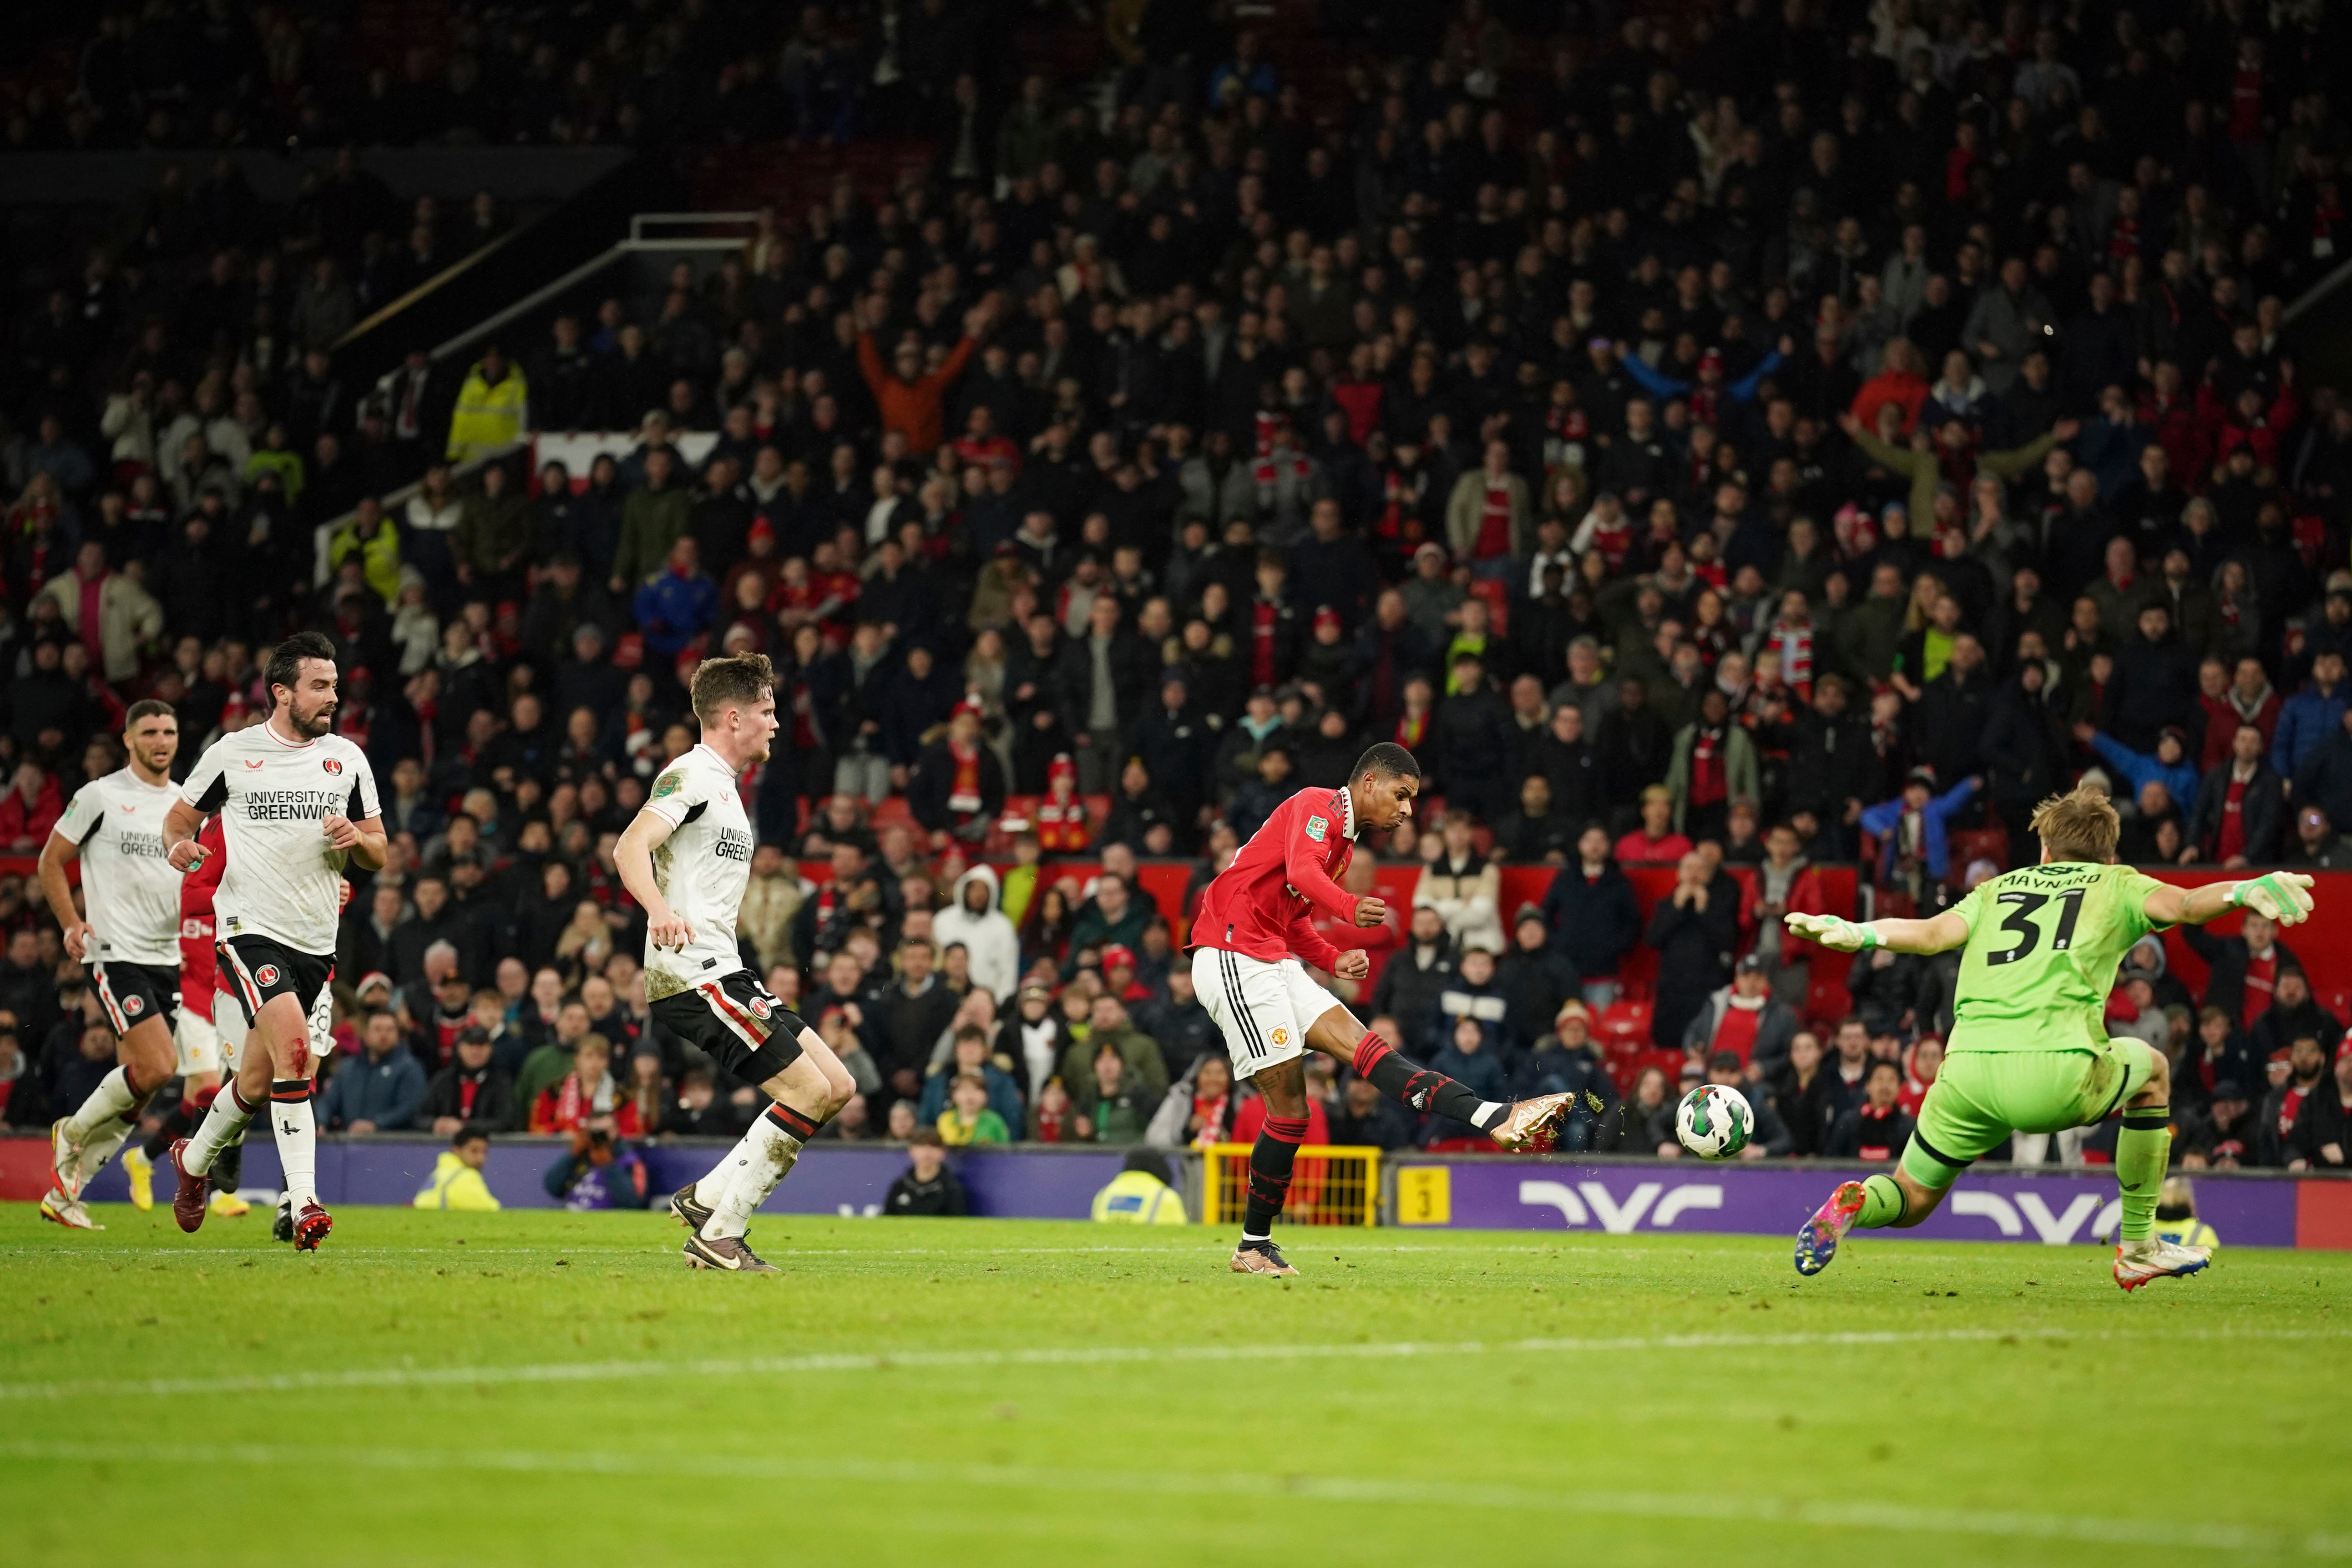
(1315, 827)
(265, 975)
(134, 1005)
(1282, 1036)
(331, 766)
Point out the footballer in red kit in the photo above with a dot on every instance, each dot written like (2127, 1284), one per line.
(1252, 938)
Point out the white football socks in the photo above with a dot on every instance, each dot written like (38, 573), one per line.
(223, 1125)
(109, 1108)
(298, 1138)
(751, 1171)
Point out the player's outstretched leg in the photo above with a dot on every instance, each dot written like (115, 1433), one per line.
(1527, 1124)
(2142, 1149)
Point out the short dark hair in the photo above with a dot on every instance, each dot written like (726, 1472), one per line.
(286, 659)
(467, 1133)
(147, 708)
(1386, 760)
(736, 680)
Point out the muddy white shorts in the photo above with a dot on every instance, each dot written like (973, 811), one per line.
(1264, 1009)
(230, 1027)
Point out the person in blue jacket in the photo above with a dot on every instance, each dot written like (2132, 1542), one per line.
(2310, 716)
(2170, 764)
(1916, 819)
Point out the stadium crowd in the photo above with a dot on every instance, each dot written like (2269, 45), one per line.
(1791, 436)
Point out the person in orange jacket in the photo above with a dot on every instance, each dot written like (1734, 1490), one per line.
(909, 399)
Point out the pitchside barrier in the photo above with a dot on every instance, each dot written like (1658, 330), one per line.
(1328, 1185)
(1349, 1186)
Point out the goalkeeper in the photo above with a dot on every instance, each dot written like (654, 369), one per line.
(2030, 1051)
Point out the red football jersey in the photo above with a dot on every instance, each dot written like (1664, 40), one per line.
(1262, 904)
(199, 966)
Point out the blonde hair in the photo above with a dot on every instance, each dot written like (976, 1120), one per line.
(2081, 824)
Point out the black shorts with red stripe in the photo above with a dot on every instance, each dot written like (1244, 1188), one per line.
(133, 993)
(253, 969)
(736, 1022)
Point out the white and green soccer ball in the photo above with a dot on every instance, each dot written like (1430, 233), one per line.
(1713, 1122)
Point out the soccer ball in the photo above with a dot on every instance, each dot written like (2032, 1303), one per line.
(1713, 1122)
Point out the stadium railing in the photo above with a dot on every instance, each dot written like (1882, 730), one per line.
(1330, 1185)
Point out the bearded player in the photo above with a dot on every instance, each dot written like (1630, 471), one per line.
(297, 803)
(1255, 926)
(114, 827)
(2028, 1050)
(685, 859)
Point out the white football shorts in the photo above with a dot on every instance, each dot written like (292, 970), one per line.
(1264, 1009)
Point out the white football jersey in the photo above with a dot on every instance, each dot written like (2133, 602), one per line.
(282, 879)
(701, 868)
(131, 892)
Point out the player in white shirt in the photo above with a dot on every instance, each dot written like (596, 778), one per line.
(685, 859)
(297, 803)
(130, 937)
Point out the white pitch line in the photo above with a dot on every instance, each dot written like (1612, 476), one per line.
(1075, 1356)
(1894, 1518)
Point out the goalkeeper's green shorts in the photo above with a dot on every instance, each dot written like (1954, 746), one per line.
(1980, 1097)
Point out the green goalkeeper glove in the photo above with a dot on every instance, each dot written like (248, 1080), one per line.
(1833, 931)
(2283, 896)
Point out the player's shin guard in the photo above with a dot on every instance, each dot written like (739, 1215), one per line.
(298, 1138)
(755, 1166)
(1271, 1158)
(223, 1124)
(1377, 1063)
(1881, 1203)
(2142, 1149)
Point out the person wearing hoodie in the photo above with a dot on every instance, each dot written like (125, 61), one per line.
(2239, 807)
(973, 919)
(1593, 918)
(457, 1184)
(1463, 887)
(2170, 765)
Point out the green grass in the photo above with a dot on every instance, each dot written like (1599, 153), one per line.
(535, 1387)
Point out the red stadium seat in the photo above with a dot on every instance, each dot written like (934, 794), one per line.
(1623, 1020)
(1497, 594)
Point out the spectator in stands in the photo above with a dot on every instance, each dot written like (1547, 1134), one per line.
(1912, 828)
(1713, 764)
(2311, 715)
(1471, 739)
(1693, 931)
(1463, 887)
(2322, 1127)
(470, 1091)
(1877, 1128)
(586, 1095)
(1806, 1094)
(1112, 1105)
(2225, 1137)
(2292, 1013)
(1744, 1020)
(1657, 839)
(973, 920)
(1594, 920)
(2293, 1081)
(2241, 970)
(1114, 915)
(2236, 821)
(382, 1091)
(29, 809)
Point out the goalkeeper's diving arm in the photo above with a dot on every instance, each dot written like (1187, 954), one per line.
(2283, 896)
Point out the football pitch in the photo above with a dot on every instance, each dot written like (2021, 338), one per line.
(542, 1387)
